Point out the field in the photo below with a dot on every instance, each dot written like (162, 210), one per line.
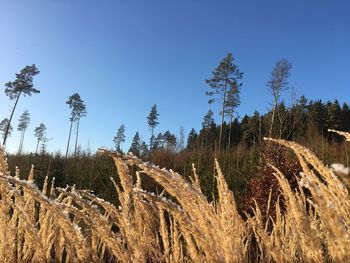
(307, 224)
(174, 131)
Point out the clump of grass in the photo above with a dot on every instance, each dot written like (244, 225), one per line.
(179, 224)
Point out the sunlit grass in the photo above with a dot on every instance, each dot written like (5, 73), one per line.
(179, 224)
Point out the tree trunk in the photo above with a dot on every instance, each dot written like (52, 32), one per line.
(222, 124)
(229, 134)
(70, 132)
(222, 115)
(280, 128)
(151, 141)
(273, 118)
(37, 146)
(8, 125)
(76, 139)
(24, 133)
(21, 142)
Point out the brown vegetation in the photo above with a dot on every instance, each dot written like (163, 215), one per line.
(56, 224)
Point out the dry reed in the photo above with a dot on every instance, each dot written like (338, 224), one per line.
(70, 225)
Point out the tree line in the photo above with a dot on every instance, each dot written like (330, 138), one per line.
(237, 142)
(296, 121)
(292, 122)
(23, 86)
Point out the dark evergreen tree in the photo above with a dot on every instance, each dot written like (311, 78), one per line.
(192, 138)
(158, 141)
(300, 119)
(345, 112)
(23, 123)
(23, 84)
(235, 132)
(225, 80)
(317, 115)
(152, 120)
(119, 138)
(43, 146)
(302, 101)
(170, 140)
(208, 120)
(144, 150)
(251, 128)
(208, 132)
(334, 116)
(135, 147)
(232, 102)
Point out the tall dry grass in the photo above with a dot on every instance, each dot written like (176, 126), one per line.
(178, 225)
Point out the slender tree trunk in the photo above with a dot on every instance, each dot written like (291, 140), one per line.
(24, 133)
(76, 139)
(21, 142)
(223, 109)
(229, 134)
(151, 141)
(273, 118)
(9, 123)
(37, 146)
(70, 132)
(222, 117)
(43, 147)
(282, 117)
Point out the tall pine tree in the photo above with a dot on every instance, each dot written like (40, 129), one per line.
(78, 110)
(5, 128)
(40, 134)
(23, 123)
(232, 102)
(225, 78)
(119, 138)
(135, 147)
(208, 120)
(152, 123)
(192, 138)
(23, 84)
(208, 125)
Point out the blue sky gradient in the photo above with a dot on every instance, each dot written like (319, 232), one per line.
(124, 56)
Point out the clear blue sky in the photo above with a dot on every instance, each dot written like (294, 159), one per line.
(124, 56)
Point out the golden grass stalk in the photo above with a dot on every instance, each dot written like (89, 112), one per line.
(344, 134)
(77, 226)
(326, 225)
